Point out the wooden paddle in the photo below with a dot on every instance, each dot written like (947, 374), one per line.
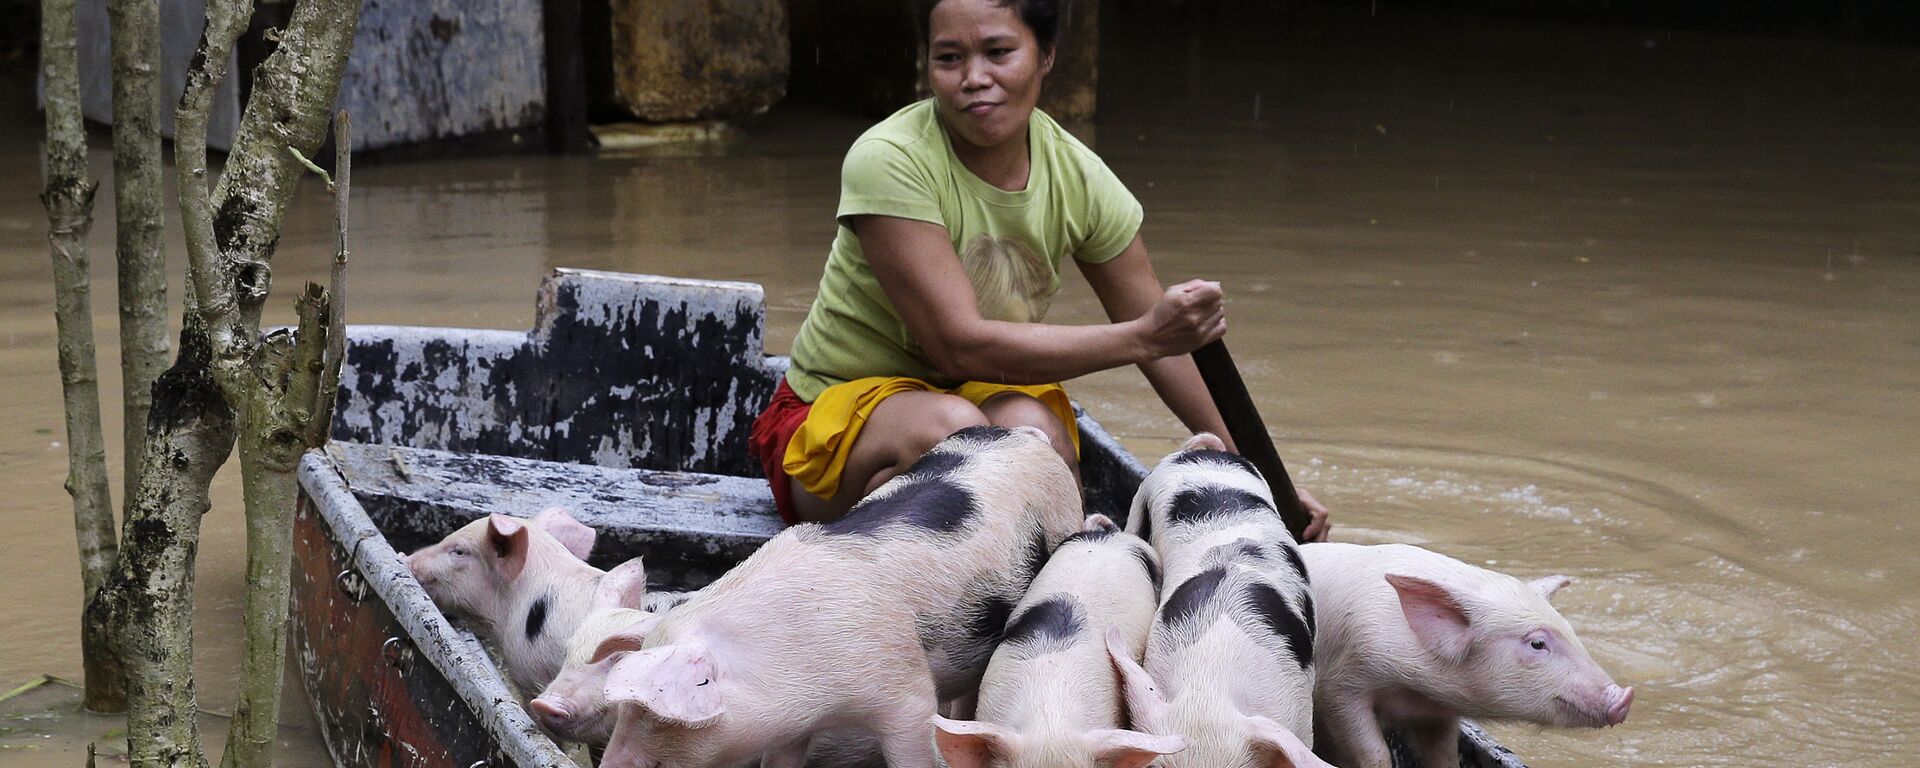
(1249, 432)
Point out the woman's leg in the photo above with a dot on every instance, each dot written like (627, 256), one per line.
(1013, 409)
(901, 428)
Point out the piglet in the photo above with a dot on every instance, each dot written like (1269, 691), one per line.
(574, 707)
(868, 621)
(1415, 640)
(524, 585)
(1050, 697)
(1229, 664)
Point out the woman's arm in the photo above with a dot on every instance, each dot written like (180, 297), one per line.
(917, 267)
(1127, 288)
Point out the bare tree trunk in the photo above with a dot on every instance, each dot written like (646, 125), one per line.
(140, 220)
(149, 601)
(190, 432)
(273, 433)
(286, 413)
(69, 201)
(282, 386)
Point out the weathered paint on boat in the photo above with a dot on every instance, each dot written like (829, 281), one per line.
(392, 684)
(629, 403)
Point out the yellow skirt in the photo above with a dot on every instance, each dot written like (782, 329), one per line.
(817, 454)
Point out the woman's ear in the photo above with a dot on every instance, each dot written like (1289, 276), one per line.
(1046, 60)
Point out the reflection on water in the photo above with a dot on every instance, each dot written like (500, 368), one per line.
(1632, 306)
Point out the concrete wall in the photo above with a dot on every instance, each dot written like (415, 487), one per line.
(435, 70)
(181, 22)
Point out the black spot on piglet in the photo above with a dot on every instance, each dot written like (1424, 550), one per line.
(982, 432)
(1293, 559)
(1273, 610)
(933, 503)
(1054, 618)
(1098, 534)
(1197, 504)
(1036, 557)
(537, 618)
(1217, 457)
(937, 464)
(1192, 595)
(1146, 561)
(989, 617)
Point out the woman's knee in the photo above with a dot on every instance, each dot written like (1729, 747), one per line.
(914, 422)
(1012, 409)
(944, 415)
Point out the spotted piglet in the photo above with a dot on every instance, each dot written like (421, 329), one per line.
(868, 621)
(1229, 664)
(1413, 639)
(524, 585)
(573, 706)
(1051, 698)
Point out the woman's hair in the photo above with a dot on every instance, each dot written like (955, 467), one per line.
(1041, 16)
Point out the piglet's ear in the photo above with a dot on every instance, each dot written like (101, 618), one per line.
(1281, 747)
(677, 683)
(1131, 749)
(1137, 516)
(575, 535)
(509, 539)
(1145, 706)
(623, 587)
(1099, 522)
(1203, 441)
(1548, 586)
(970, 743)
(1435, 614)
(627, 640)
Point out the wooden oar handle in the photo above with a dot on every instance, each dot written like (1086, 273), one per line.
(1249, 432)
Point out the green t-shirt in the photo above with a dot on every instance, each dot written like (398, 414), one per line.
(1012, 244)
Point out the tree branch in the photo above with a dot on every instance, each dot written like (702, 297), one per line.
(140, 222)
(292, 95)
(68, 198)
(322, 424)
(210, 279)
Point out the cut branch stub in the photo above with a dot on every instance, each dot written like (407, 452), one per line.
(252, 282)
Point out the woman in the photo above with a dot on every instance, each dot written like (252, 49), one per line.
(955, 214)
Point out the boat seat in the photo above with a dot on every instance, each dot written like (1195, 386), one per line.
(619, 370)
(690, 526)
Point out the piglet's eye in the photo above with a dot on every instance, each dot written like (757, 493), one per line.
(1537, 644)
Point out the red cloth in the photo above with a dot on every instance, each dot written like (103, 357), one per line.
(768, 444)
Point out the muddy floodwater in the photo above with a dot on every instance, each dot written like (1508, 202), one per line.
(1633, 305)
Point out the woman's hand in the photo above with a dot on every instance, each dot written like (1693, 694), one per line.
(1317, 525)
(1187, 317)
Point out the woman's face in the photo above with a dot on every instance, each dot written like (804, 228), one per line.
(984, 66)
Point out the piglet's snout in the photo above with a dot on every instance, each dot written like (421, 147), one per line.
(420, 574)
(551, 715)
(1618, 701)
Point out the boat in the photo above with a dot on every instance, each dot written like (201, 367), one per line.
(629, 403)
